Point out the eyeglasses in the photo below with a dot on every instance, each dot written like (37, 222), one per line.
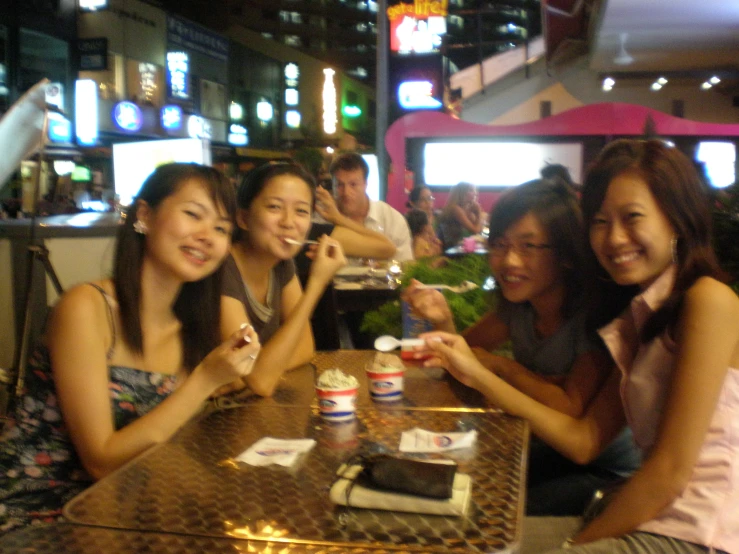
(500, 248)
(427, 199)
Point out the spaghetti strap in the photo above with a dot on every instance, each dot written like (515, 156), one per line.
(109, 303)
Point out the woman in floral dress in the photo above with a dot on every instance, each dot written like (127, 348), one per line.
(127, 360)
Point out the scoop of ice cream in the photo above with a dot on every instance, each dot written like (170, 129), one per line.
(386, 362)
(336, 379)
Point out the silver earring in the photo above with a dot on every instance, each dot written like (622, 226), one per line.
(673, 243)
(140, 227)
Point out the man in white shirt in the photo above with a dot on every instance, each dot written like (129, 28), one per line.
(349, 172)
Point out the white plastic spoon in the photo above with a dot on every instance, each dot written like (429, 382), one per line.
(386, 343)
(464, 286)
(300, 242)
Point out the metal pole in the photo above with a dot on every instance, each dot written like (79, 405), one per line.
(382, 100)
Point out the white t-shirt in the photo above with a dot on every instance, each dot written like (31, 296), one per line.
(382, 217)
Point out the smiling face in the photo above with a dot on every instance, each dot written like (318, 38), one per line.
(350, 190)
(527, 270)
(281, 211)
(630, 234)
(188, 235)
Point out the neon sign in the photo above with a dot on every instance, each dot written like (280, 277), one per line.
(198, 127)
(60, 128)
(86, 111)
(292, 118)
(330, 117)
(238, 135)
(171, 117)
(265, 112)
(417, 95)
(128, 116)
(178, 64)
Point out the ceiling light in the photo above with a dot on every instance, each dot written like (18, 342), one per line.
(706, 85)
(656, 86)
(662, 81)
(608, 83)
(623, 57)
(714, 80)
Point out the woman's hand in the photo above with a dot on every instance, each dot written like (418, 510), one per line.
(456, 356)
(326, 205)
(429, 304)
(328, 257)
(231, 361)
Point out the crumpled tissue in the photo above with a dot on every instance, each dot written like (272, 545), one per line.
(268, 451)
(420, 440)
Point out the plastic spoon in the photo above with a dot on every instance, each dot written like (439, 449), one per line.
(386, 343)
(300, 242)
(464, 286)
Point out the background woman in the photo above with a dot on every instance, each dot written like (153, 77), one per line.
(676, 348)
(132, 358)
(275, 207)
(420, 198)
(425, 241)
(462, 216)
(536, 255)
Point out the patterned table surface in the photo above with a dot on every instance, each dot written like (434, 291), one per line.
(191, 486)
(424, 387)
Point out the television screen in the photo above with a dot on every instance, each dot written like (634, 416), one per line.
(496, 164)
(133, 162)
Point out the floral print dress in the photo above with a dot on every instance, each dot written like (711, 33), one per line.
(39, 469)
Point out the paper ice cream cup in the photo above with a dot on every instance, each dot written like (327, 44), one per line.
(385, 383)
(337, 404)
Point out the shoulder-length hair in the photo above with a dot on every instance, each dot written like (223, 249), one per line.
(198, 304)
(555, 205)
(679, 192)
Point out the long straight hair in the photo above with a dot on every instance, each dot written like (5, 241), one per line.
(680, 194)
(198, 304)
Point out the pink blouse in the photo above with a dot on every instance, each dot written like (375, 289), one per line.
(707, 511)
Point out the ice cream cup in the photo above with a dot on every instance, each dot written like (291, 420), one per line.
(337, 404)
(385, 383)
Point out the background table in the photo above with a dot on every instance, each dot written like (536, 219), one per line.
(191, 485)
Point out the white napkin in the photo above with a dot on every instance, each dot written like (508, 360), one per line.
(420, 440)
(269, 451)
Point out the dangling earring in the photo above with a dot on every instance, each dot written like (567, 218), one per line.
(673, 243)
(140, 227)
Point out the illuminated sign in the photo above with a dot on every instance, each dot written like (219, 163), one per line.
(330, 116)
(198, 127)
(417, 95)
(86, 111)
(178, 64)
(418, 27)
(92, 5)
(128, 116)
(236, 111)
(292, 119)
(238, 135)
(60, 128)
(292, 73)
(291, 97)
(265, 112)
(171, 117)
(351, 111)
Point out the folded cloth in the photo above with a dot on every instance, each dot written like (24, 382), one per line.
(347, 492)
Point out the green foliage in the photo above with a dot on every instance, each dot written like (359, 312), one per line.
(466, 308)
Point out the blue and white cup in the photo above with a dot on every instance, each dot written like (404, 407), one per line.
(385, 383)
(337, 404)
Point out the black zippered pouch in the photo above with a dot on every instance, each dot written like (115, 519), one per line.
(408, 476)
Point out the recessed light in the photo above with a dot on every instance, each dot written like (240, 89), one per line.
(706, 85)
(714, 80)
(656, 86)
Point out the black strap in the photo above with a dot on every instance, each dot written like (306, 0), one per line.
(111, 321)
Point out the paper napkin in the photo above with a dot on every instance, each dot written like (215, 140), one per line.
(268, 451)
(420, 440)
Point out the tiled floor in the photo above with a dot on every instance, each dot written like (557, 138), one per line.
(541, 534)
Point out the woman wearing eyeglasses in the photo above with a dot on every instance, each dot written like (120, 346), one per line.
(420, 198)
(536, 255)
